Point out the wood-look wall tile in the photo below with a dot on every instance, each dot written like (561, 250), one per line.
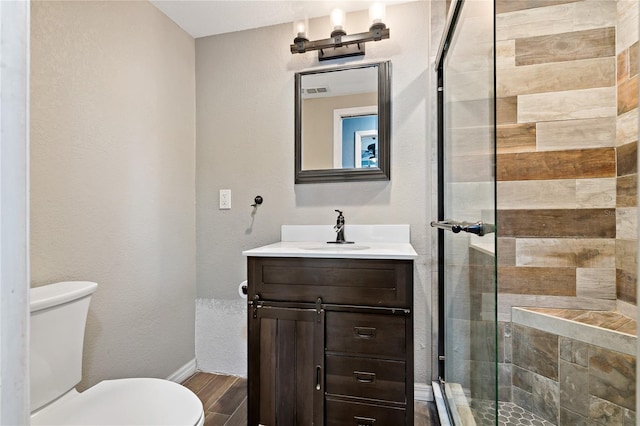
(569, 105)
(627, 223)
(566, 252)
(505, 54)
(553, 77)
(622, 67)
(558, 223)
(471, 140)
(537, 281)
(507, 110)
(627, 255)
(576, 164)
(596, 193)
(554, 19)
(516, 137)
(627, 127)
(506, 251)
(628, 12)
(627, 158)
(472, 168)
(627, 286)
(570, 46)
(537, 194)
(599, 283)
(633, 60)
(504, 6)
(628, 95)
(627, 191)
(576, 134)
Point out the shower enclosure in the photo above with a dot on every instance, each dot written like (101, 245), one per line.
(538, 131)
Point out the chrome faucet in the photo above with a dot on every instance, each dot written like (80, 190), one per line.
(339, 228)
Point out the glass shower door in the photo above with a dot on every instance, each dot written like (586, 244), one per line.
(467, 185)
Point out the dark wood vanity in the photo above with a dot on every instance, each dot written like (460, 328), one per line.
(330, 341)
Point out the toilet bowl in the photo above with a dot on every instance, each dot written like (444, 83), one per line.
(58, 317)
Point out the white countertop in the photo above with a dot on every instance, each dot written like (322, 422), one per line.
(370, 242)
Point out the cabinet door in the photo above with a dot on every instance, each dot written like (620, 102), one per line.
(286, 366)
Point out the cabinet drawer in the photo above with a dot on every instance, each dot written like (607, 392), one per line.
(365, 377)
(371, 334)
(368, 282)
(341, 413)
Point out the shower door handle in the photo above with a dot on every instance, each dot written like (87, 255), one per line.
(479, 228)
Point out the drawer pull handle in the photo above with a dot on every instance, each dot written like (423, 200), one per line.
(364, 377)
(364, 421)
(364, 332)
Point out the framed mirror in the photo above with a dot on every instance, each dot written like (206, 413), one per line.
(343, 124)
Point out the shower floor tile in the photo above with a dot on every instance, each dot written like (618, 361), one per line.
(509, 414)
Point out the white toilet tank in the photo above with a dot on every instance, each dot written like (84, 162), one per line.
(58, 318)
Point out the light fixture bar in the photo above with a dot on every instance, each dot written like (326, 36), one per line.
(336, 47)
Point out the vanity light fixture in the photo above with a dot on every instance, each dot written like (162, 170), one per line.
(339, 44)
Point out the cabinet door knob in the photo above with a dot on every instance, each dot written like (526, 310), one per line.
(364, 332)
(364, 377)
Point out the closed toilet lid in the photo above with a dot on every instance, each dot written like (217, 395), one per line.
(148, 402)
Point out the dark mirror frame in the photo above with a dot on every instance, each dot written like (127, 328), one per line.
(383, 171)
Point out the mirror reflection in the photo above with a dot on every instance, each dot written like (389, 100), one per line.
(342, 124)
(338, 110)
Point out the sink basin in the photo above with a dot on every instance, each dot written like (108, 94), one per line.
(334, 247)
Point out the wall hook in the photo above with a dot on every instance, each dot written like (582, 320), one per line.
(257, 201)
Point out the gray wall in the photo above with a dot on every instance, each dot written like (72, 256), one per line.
(245, 143)
(113, 178)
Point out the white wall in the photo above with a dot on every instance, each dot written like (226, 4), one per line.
(245, 108)
(113, 178)
(14, 208)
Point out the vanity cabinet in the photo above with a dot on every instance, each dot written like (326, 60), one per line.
(330, 341)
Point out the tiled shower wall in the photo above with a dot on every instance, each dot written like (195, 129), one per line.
(566, 143)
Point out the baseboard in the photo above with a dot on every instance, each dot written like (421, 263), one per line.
(422, 392)
(184, 372)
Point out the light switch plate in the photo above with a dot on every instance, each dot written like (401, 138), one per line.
(225, 199)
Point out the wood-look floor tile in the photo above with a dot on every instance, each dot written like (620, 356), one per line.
(239, 417)
(215, 419)
(576, 134)
(232, 398)
(198, 381)
(604, 319)
(627, 127)
(214, 390)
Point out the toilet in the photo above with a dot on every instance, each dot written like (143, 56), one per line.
(58, 317)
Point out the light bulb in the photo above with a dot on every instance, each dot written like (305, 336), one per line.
(337, 22)
(300, 28)
(377, 14)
